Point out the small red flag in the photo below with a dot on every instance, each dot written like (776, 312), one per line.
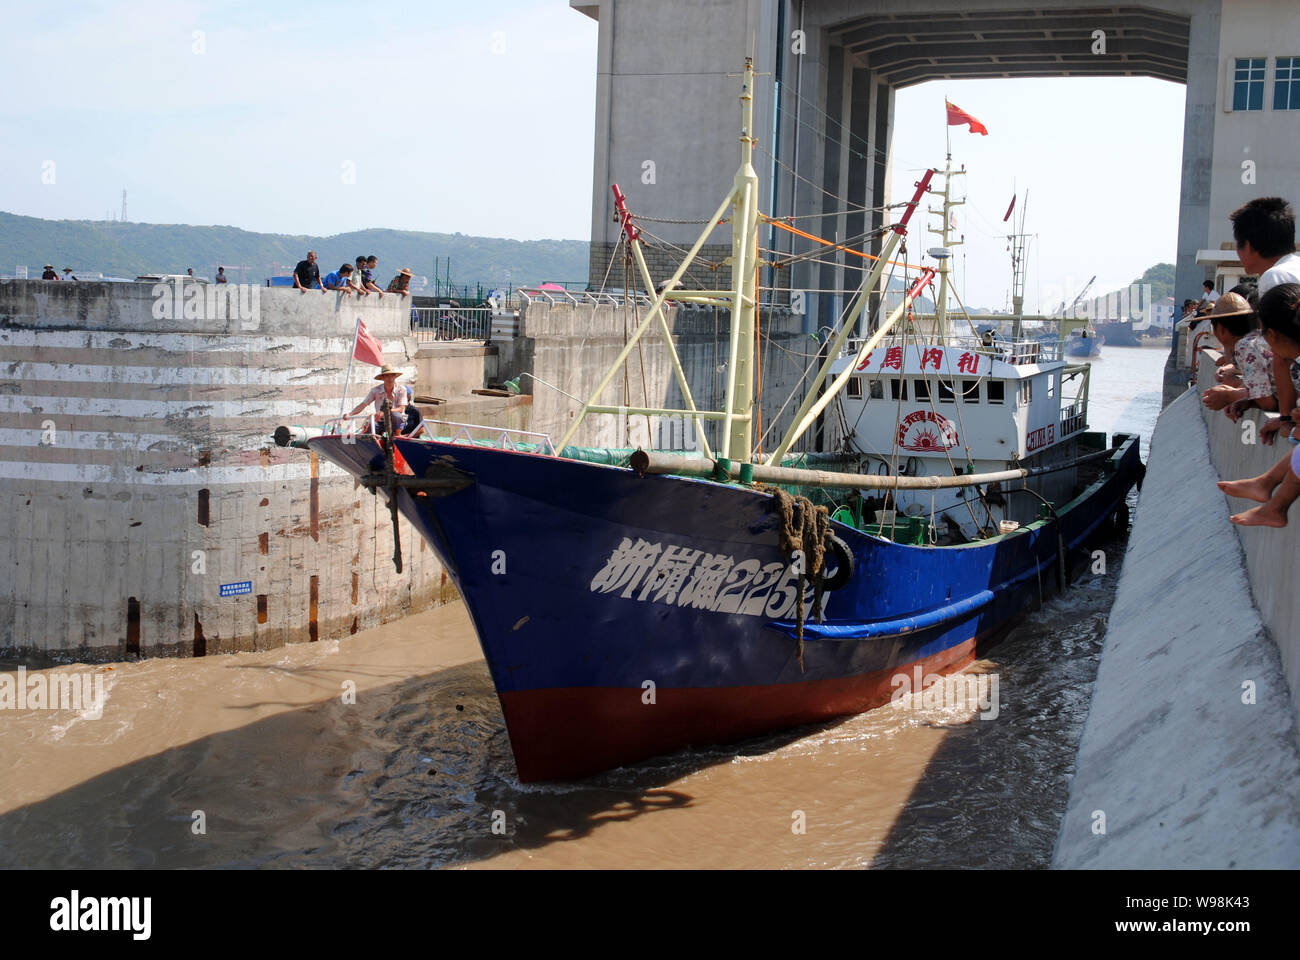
(957, 116)
(368, 349)
(1010, 208)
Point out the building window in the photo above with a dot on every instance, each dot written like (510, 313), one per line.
(1286, 84)
(1248, 84)
(855, 388)
(997, 391)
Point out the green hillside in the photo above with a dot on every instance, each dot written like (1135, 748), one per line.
(1161, 278)
(130, 249)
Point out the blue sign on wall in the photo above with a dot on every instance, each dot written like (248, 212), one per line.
(235, 589)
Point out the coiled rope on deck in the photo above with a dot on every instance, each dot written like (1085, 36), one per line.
(805, 527)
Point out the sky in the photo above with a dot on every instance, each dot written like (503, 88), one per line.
(323, 118)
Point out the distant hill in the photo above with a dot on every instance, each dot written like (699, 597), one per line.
(1161, 278)
(130, 249)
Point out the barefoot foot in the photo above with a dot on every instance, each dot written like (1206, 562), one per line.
(1256, 489)
(1259, 517)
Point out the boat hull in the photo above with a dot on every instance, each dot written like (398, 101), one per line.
(623, 617)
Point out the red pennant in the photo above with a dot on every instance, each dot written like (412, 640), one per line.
(368, 349)
(400, 464)
(1010, 208)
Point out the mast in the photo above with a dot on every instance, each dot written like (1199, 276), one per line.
(1016, 243)
(741, 299)
(944, 253)
(738, 430)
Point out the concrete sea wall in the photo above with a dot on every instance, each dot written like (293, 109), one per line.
(137, 475)
(1190, 756)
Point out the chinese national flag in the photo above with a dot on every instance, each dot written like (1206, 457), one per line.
(957, 116)
(1010, 208)
(368, 349)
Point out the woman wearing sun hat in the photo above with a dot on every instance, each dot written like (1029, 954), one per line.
(404, 414)
(400, 282)
(1247, 380)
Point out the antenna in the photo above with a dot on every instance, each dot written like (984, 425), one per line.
(123, 206)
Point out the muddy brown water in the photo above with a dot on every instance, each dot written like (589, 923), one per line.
(263, 752)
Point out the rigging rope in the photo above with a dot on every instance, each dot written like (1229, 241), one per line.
(827, 243)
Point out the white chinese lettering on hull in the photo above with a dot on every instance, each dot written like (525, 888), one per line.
(679, 576)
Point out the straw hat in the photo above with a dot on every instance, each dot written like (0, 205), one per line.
(405, 271)
(1231, 305)
(387, 370)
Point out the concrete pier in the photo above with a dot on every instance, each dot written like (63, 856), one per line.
(146, 511)
(1190, 757)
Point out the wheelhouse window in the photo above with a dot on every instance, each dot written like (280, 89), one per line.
(945, 392)
(1026, 392)
(1248, 83)
(877, 389)
(1286, 84)
(921, 389)
(854, 389)
(897, 389)
(970, 391)
(997, 390)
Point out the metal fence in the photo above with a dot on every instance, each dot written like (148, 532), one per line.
(431, 324)
(451, 323)
(616, 298)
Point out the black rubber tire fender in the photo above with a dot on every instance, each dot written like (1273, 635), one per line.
(843, 564)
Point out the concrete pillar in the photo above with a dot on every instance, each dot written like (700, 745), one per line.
(1199, 114)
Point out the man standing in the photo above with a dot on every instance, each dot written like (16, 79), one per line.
(306, 276)
(368, 276)
(49, 273)
(67, 274)
(1264, 229)
(221, 275)
(358, 284)
(1210, 296)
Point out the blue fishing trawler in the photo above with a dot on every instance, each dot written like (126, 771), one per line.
(659, 599)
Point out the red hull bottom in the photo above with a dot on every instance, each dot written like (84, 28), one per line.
(571, 732)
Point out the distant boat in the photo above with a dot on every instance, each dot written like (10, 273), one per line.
(1118, 333)
(1084, 344)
